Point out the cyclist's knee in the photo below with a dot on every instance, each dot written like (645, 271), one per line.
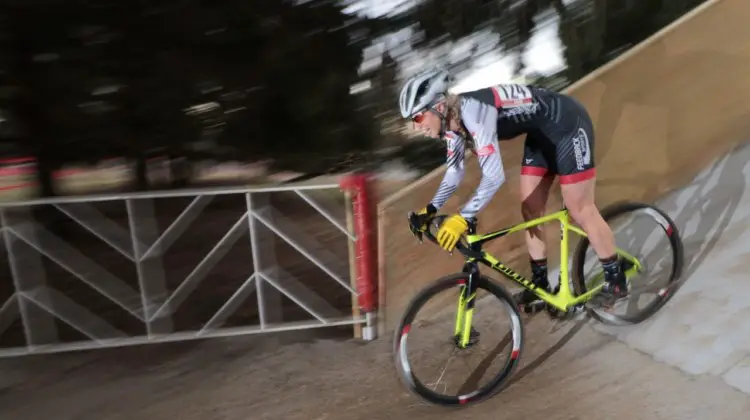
(582, 211)
(579, 199)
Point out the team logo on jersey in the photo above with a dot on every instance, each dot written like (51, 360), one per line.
(486, 150)
(581, 149)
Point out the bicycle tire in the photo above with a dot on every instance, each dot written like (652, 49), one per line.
(672, 233)
(400, 337)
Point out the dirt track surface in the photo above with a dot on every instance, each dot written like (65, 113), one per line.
(571, 373)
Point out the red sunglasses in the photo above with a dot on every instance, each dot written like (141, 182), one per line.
(419, 116)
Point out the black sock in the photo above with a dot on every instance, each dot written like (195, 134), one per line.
(539, 272)
(611, 266)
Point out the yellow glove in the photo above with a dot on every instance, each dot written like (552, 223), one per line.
(424, 217)
(450, 231)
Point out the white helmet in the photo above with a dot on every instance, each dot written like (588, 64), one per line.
(423, 90)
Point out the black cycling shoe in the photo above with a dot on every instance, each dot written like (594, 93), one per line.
(615, 286)
(611, 293)
(526, 300)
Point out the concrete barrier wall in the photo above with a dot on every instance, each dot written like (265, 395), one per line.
(663, 111)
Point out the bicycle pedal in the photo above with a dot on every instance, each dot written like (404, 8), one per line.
(533, 307)
(576, 313)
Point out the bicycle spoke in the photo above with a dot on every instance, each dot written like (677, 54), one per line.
(649, 239)
(453, 354)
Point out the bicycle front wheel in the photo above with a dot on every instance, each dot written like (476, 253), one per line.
(440, 328)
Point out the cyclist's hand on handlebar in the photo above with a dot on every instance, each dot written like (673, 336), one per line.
(423, 218)
(419, 222)
(450, 231)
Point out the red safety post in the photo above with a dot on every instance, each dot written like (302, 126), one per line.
(357, 185)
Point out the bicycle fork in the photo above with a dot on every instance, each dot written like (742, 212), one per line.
(466, 302)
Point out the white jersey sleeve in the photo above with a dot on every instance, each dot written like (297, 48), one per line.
(455, 172)
(481, 121)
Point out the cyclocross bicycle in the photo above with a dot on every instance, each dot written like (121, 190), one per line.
(562, 304)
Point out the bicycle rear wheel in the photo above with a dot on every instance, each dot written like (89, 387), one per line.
(661, 237)
(464, 396)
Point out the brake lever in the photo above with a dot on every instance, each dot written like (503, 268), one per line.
(416, 232)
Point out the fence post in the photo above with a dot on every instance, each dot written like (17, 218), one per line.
(362, 207)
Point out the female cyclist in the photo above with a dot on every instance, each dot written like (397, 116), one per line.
(559, 141)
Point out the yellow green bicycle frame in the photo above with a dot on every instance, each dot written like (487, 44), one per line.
(563, 300)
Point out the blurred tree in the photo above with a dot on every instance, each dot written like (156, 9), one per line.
(83, 80)
(307, 68)
(42, 80)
